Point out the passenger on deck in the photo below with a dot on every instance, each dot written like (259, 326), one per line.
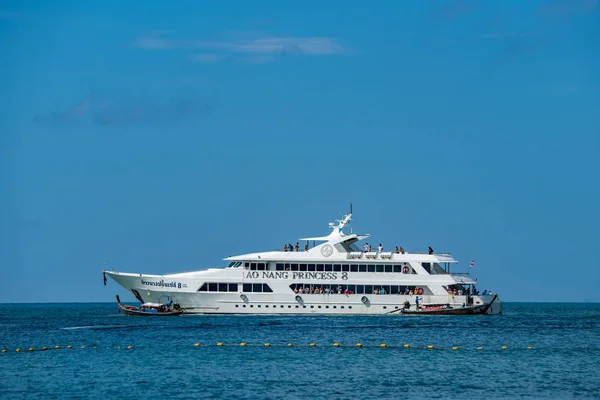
(369, 249)
(401, 250)
(430, 250)
(379, 248)
(382, 291)
(365, 247)
(397, 250)
(305, 247)
(296, 247)
(285, 247)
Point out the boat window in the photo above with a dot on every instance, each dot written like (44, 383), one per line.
(303, 267)
(247, 287)
(260, 266)
(360, 289)
(222, 287)
(253, 266)
(294, 267)
(368, 289)
(386, 288)
(362, 268)
(203, 288)
(257, 287)
(311, 267)
(247, 265)
(345, 268)
(212, 287)
(279, 267)
(379, 268)
(389, 268)
(397, 268)
(328, 267)
(231, 264)
(266, 288)
(352, 288)
(394, 290)
(233, 287)
(426, 267)
(320, 267)
(371, 268)
(287, 267)
(354, 268)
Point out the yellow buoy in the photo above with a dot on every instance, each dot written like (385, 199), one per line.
(480, 348)
(290, 345)
(530, 347)
(383, 345)
(454, 347)
(336, 345)
(243, 344)
(430, 347)
(18, 350)
(44, 348)
(219, 344)
(130, 347)
(358, 344)
(196, 344)
(312, 344)
(31, 349)
(267, 344)
(4, 351)
(406, 346)
(57, 347)
(83, 347)
(69, 347)
(504, 347)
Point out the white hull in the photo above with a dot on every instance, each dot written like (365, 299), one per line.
(284, 303)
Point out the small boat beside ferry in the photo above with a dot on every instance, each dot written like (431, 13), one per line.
(167, 308)
(334, 276)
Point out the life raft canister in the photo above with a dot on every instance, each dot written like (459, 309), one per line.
(405, 269)
(364, 299)
(298, 298)
(420, 290)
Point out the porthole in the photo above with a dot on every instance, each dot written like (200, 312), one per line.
(251, 305)
(289, 306)
(297, 306)
(385, 307)
(303, 306)
(267, 306)
(326, 306)
(341, 306)
(348, 307)
(258, 306)
(237, 305)
(319, 306)
(283, 306)
(396, 307)
(243, 305)
(312, 306)
(334, 306)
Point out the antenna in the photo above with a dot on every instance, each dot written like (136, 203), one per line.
(350, 208)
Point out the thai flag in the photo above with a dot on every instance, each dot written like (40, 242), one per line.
(472, 263)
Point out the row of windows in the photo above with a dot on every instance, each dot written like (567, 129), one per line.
(357, 289)
(330, 267)
(297, 306)
(233, 287)
(289, 306)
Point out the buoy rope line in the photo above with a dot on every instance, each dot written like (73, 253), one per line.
(244, 344)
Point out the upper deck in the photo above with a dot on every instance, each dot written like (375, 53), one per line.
(342, 247)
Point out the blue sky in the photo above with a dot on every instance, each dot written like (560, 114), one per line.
(164, 136)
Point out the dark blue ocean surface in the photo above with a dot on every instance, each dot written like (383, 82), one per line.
(564, 361)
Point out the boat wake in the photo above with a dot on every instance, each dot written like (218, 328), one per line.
(96, 327)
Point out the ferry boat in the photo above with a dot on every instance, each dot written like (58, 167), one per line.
(335, 276)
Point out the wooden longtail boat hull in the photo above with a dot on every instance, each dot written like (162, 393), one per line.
(473, 310)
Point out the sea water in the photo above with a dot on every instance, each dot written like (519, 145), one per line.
(534, 350)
